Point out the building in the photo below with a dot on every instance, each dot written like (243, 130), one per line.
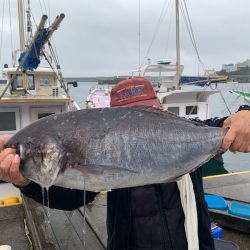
(243, 64)
(229, 67)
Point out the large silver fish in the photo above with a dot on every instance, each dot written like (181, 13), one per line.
(103, 149)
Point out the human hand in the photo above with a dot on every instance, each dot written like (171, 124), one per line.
(238, 136)
(9, 164)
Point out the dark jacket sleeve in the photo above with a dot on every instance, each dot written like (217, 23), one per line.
(59, 197)
(218, 122)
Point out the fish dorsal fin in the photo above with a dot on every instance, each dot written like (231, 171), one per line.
(160, 111)
(157, 110)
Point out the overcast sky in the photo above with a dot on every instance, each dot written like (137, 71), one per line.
(101, 37)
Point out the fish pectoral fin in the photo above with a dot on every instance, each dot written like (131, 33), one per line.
(102, 169)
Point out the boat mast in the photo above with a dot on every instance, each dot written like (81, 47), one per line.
(177, 45)
(29, 23)
(21, 25)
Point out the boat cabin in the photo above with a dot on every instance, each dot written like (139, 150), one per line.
(185, 101)
(31, 95)
(190, 103)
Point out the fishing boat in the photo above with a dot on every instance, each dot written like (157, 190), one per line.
(27, 93)
(31, 92)
(166, 80)
(98, 97)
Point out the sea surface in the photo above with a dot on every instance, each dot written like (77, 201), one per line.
(220, 105)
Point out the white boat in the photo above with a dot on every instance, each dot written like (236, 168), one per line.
(98, 97)
(30, 94)
(165, 78)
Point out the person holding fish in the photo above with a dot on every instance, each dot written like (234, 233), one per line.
(144, 217)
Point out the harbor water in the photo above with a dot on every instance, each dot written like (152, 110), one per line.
(220, 106)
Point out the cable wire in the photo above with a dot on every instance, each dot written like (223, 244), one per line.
(1, 38)
(158, 25)
(11, 32)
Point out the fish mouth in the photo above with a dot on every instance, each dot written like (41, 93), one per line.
(44, 179)
(48, 178)
(44, 174)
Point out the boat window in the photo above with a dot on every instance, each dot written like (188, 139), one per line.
(191, 110)
(41, 115)
(18, 82)
(175, 110)
(9, 119)
(31, 82)
(45, 82)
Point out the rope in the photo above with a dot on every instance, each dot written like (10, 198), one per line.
(188, 203)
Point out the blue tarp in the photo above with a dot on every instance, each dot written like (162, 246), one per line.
(33, 60)
(197, 80)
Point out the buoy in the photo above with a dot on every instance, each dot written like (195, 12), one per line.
(11, 200)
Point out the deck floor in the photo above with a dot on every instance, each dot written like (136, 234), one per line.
(12, 230)
(54, 229)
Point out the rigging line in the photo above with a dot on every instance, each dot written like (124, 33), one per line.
(139, 34)
(225, 103)
(33, 19)
(41, 7)
(191, 35)
(235, 100)
(192, 32)
(160, 20)
(11, 33)
(46, 12)
(58, 74)
(1, 39)
(53, 54)
(189, 27)
(55, 50)
(25, 25)
(169, 28)
(49, 11)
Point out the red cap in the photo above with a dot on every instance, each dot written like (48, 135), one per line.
(136, 91)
